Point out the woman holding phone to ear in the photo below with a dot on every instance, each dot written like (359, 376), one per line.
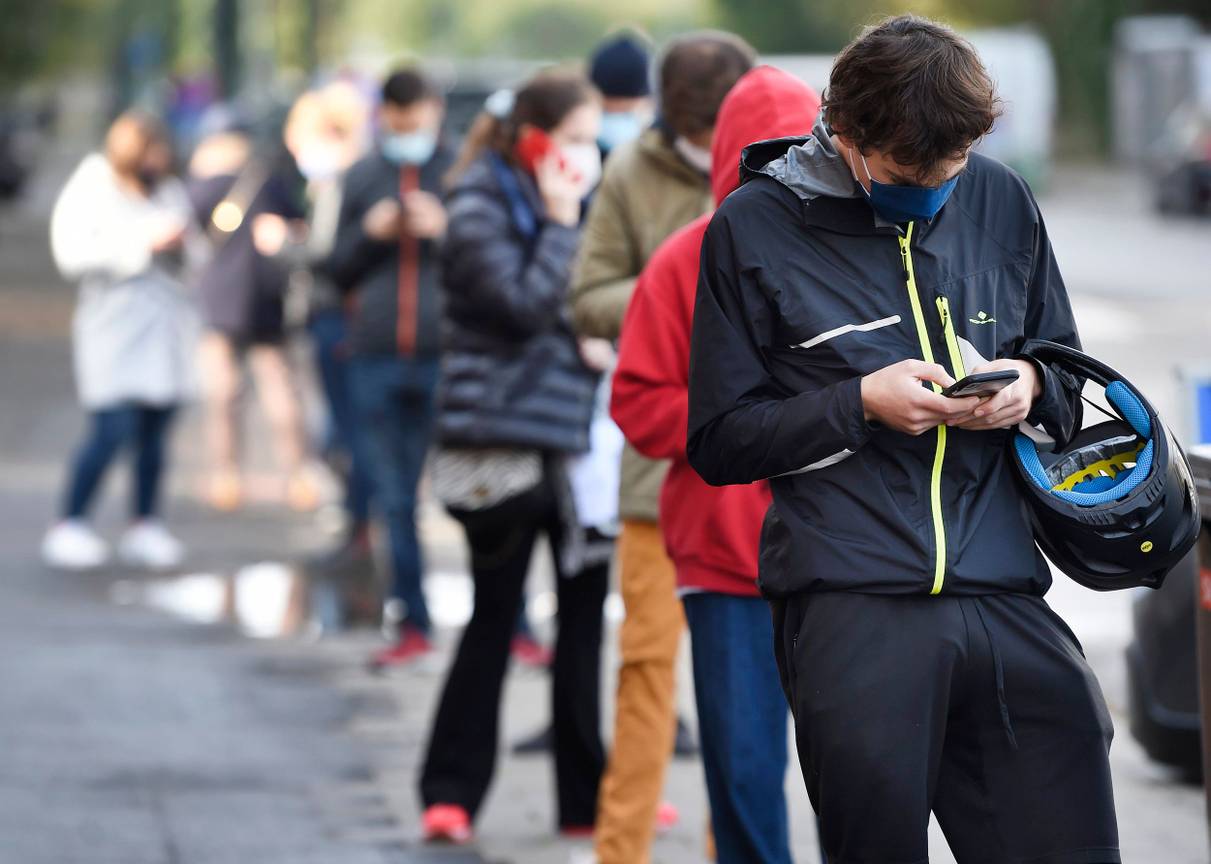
(515, 402)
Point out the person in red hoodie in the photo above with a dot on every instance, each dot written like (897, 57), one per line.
(711, 533)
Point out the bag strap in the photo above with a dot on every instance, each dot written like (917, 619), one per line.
(522, 211)
(238, 199)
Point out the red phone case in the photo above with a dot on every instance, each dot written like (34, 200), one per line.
(533, 146)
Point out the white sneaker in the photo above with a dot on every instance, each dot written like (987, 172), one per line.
(73, 545)
(148, 544)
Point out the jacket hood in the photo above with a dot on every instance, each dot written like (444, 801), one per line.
(765, 103)
(812, 168)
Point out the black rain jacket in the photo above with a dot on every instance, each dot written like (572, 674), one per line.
(802, 291)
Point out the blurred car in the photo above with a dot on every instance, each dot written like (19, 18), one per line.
(1181, 162)
(1185, 189)
(1162, 673)
(22, 130)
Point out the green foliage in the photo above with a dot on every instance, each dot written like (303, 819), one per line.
(38, 37)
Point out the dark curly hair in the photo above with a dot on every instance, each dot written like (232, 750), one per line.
(913, 89)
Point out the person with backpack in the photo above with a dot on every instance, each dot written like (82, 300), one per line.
(515, 402)
(856, 274)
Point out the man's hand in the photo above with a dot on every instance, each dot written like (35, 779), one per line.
(384, 220)
(1012, 404)
(894, 397)
(424, 215)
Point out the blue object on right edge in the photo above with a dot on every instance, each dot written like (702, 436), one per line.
(1203, 412)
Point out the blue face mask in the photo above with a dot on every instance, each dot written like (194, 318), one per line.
(408, 148)
(905, 203)
(619, 127)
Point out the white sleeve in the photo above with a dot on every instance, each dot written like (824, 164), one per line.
(89, 234)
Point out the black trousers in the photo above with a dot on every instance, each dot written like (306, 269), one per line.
(463, 742)
(979, 709)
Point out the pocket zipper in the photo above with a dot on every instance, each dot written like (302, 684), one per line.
(952, 341)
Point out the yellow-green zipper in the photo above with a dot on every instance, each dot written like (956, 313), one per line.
(935, 479)
(952, 341)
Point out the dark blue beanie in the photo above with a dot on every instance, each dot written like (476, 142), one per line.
(619, 67)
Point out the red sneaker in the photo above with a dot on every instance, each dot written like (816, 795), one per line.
(528, 652)
(411, 646)
(576, 832)
(666, 817)
(446, 823)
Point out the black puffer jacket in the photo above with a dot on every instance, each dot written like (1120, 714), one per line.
(511, 370)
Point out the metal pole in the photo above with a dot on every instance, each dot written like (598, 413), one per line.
(228, 71)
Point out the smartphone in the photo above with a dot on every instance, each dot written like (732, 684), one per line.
(533, 145)
(982, 383)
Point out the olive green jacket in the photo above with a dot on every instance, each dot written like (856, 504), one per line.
(646, 194)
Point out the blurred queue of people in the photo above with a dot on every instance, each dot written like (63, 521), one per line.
(467, 307)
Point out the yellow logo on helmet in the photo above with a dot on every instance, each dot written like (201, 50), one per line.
(1146, 546)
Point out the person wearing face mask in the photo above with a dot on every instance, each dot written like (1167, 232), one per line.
(854, 274)
(711, 534)
(619, 69)
(325, 133)
(651, 187)
(516, 399)
(121, 228)
(385, 259)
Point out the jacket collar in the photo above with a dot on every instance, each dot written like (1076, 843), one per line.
(811, 168)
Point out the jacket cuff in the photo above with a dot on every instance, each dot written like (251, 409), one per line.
(1049, 409)
(851, 412)
(559, 235)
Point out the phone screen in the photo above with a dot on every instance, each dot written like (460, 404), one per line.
(981, 384)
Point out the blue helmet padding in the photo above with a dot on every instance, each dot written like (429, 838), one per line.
(1101, 490)
(1095, 484)
(1120, 396)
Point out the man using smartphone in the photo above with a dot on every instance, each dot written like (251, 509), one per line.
(855, 274)
(384, 258)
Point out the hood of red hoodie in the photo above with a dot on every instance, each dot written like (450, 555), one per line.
(765, 103)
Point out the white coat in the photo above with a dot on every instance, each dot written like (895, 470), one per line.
(135, 330)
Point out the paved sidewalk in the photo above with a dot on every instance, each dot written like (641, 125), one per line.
(133, 736)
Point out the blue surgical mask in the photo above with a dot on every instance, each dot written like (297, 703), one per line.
(408, 148)
(905, 203)
(619, 127)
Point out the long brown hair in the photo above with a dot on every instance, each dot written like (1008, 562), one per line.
(544, 101)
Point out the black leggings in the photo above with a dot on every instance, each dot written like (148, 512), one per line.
(462, 747)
